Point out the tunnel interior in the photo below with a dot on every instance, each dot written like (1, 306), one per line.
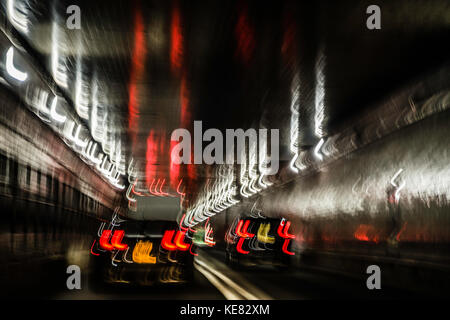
(279, 147)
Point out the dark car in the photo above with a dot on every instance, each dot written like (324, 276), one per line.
(150, 253)
(259, 241)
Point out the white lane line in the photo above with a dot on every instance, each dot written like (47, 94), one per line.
(227, 293)
(240, 290)
(216, 265)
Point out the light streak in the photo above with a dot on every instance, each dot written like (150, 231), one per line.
(317, 149)
(11, 69)
(55, 116)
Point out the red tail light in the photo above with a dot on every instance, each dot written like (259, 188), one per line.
(92, 247)
(190, 250)
(181, 223)
(285, 245)
(243, 233)
(116, 240)
(181, 245)
(238, 228)
(106, 234)
(284, 232)
(166, 242)
(239, 246)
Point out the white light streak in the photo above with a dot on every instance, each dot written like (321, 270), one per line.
(17, 18)
(11, 69)
(317, 149)
(55, 116)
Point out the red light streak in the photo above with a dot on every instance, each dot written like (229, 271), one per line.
(92, 247)
(104, 240)
(116, 240)
(284, 232)
(181, 245)
(160, 189)
(244, 231)
(190, 250)
(166, 242)
(176, 40)
(181, 223)
(285, 245)
(156, 188)
(244, 36)
(151, 186)
(241, 231)
(151, 157)
(238, 228)
(239, 246)
(363, 231)
(178, 188)
(137, 70)
(134, 191)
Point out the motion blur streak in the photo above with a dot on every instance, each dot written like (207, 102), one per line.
(17, 16)
(166, 242)
(179, 241)
(176, 39)
(142, 252)
(12, 70)
(116, 240)
(137, 69)
(104, 240)
(87, 178)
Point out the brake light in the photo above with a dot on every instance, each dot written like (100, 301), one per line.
(238, 228)
(181, 245)
(190, 250)
(284, 232)
(239, 246)
(92, 247)
(243, 233)
(285, 245)
(181, 223)
(106, 234)
(166, 242)
(116, 240)
(247, 234)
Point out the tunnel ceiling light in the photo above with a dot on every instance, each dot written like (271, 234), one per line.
(55, 116)
(88, 148)
(17, 18)
(11, 69)
(317, 149)
(395, 177)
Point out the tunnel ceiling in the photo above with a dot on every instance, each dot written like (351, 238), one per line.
(137, 70)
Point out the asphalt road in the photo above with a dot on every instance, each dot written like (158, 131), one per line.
(46, 279)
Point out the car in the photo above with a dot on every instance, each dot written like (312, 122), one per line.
(148, 253)
(258, 241)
